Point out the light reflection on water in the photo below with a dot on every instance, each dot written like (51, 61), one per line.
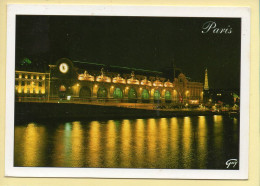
(201, 142)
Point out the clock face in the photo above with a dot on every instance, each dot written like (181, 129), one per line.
(64, 67)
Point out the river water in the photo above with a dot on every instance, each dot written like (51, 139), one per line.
(197, 142)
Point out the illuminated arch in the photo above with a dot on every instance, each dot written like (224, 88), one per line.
(132, 95)
(157, 96)
(102, 92)
(85, 92)
(145, 95)
(168, 96)
(118, 93)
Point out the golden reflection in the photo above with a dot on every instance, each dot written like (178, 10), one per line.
(235, 120)
(235, 129)
(163, 136)
(94, 144)
(174, 132)
(217, 118)
(139, 141)
(186, 140)
(151, 141)
(77, 145)
(126, 143)
(202, 141)
(62, 145)
(34, 142)
(111, 144)
(218, 134)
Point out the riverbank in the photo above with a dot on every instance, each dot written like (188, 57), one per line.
(39, 110)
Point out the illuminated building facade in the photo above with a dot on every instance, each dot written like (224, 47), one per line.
(97, 82)
(120, 84)
(30, 84)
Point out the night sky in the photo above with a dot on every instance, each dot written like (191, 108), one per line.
(152, 43)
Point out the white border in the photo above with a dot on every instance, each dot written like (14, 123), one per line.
(105, 10)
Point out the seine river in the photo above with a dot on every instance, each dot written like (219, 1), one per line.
(197, 142)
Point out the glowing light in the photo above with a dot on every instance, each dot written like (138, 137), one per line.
(193, 101)
(77, 85)
(64, 68)
(85, 77)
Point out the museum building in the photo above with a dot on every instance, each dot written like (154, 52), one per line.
(84, 81)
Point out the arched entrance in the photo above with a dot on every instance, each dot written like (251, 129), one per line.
(157, 96)
(85, 93)
(132, 96)
(145, 96)
(62, 91)
(118, 93)
(168, 97)
(102, 92)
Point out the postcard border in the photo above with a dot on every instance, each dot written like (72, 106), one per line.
(242, 12)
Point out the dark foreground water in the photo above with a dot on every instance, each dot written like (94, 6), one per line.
(200, 142)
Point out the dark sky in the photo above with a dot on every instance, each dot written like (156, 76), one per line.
(150, 43)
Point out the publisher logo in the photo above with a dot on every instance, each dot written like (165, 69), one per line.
(231, 163)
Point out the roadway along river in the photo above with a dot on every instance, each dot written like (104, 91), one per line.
(197, 142)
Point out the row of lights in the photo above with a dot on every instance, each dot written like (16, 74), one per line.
(26, 77)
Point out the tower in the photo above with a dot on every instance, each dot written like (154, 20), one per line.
(206, 83)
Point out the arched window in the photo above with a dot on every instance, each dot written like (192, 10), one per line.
(102, 92)
(157, 95)
(145, 94)
(168, 95)
(132, 94)
(118, 94)
(85, 92)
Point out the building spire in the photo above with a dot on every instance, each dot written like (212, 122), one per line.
(206, 83)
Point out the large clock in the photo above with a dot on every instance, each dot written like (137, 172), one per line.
(64, 68)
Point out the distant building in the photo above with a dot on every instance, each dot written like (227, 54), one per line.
(31, 84)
